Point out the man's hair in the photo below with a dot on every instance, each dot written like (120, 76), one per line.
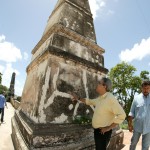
(145, 83)
(107, 82)
(3, 92)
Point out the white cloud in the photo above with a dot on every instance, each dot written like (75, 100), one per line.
(6, 77)
(8, 51)
(149, 64)
(101, 3)
(110, 12)
(7, 73)
(2, 68)
(25, 56)
(18, 87)
(10, 54)
(96, 5)
(2, 38)
(138, 52)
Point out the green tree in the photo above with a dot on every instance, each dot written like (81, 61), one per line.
(144, 75)
(18, 98)
(0, 78)
(125, 84)
(3, 88)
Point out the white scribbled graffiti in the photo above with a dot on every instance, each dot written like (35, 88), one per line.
(43, 105)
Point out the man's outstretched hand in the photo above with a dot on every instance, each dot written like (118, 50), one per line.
(75, 97)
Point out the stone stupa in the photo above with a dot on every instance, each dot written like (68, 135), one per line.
(66, 60)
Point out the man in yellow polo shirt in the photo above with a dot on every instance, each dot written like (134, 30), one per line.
(107, 115)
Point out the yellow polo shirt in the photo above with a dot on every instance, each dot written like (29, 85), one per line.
(107, 111)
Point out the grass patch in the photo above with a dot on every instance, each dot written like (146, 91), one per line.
(124, 126)
(82, 120)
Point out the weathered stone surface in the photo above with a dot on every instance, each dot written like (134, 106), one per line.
(68, 136)
(75, 15)
(66, 60)
(52, 88)
(116, 141)
(15, 103)
(57, 136)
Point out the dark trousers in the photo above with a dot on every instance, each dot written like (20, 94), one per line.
(101, 140)
(2, 114)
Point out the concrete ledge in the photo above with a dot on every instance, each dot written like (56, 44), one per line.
(116, 142)
(22, 132)
(15, 103)
(25, 138)
(18, 141)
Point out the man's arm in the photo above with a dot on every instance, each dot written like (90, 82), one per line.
(119, 116)
(5, 102)
(130, 123)
(76, 98)
(106, 129)
(83, 100)
(118, 112)
(131, 116)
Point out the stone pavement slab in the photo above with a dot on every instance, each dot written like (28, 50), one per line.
(5, 130)
(127, 139)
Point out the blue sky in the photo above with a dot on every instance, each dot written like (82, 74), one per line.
(122, 29)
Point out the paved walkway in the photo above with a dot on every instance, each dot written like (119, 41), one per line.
(5, 130)
(5, 133)
(127, 139)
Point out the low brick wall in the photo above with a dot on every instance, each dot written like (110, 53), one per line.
(15, 103)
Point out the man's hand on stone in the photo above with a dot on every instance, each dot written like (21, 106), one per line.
(75, 97)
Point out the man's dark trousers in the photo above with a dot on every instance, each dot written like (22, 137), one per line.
(101, 140)
(2, 114)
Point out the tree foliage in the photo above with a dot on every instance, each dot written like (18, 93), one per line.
(144, 75)
(3, 88)
(125, 84)
(0, 78)
(18, 98)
